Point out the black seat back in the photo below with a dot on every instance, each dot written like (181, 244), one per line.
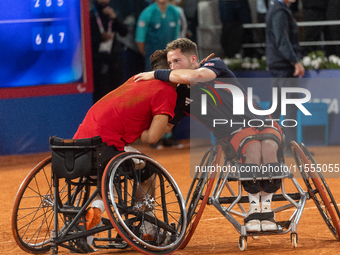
(73, 158)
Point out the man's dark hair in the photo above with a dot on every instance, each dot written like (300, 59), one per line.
(158, 60)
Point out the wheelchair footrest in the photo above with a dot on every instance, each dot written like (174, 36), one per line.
(259, 216)
(111, 243)
(80, 246)
(77, 245)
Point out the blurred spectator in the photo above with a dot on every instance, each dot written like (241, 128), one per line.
(294, 6)
(106, 50)
(283, 57)
(233, 14)
(157, 25)
(261, 11)
(190, 11)
(333, 13)
(133, 60)
(314, 10)
(261, 8)
(184, 23)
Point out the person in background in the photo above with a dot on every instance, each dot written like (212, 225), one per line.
(190, 11)
(106, 50)
(158, 24)
(334, 31)
(233, 14)
(129, 11)
(261, 10)
(184, 23)
(283, 56)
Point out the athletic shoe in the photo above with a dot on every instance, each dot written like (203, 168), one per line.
(157, 146)
(268, 225)
(253, 225)
(170, 142)
(93, 218)
(149, 231)
(89, 239)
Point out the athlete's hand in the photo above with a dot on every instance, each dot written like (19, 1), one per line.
(146, 76)
(207, 58)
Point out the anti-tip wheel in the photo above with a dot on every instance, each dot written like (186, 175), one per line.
(294, 239)
(242, 243)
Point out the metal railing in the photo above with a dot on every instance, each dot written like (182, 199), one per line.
(299, 24)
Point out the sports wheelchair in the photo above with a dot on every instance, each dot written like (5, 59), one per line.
(203, 183)
(50, 207)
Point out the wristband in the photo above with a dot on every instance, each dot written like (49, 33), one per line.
(162, 74)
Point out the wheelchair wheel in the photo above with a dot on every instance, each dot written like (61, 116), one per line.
(198, 193)
(33, 214)
(317, 187)
(144, 203)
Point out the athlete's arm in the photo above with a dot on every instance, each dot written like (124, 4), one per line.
(157, 128)
(181, 76)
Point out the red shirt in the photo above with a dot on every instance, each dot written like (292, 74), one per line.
(122, 115)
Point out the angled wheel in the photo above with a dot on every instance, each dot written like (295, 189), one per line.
(144, 203)
(317, 187)
(199, 192)
(322, 179)
(33, 214)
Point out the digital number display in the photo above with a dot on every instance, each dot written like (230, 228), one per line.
(41, 42)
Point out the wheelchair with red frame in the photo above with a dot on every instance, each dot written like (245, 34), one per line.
(230, 203)
(50, 207)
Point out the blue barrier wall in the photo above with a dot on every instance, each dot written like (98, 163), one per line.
(27, 123)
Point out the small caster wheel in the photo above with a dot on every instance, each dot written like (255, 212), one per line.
(294, 239)
(53, 251)
(242, 243)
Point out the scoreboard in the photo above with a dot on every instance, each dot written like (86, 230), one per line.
(44, 43)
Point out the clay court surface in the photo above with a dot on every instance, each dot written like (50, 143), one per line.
(214, 234)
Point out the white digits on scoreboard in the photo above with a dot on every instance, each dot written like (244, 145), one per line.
(37, 4)
(48, 3)
(38, 39)
(62, 35)
(50, 39)
(48, 6)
